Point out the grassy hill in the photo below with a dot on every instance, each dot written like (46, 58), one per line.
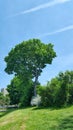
(37, 119)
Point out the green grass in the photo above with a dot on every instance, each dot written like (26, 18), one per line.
(37, 119)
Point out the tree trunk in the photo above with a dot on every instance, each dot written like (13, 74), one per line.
(35, 84)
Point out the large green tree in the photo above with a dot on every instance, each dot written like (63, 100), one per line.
(29, 58)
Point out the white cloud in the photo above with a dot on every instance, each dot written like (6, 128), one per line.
(42, 6)
(70, 27)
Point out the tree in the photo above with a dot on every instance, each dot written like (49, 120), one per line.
(61, 95)
(62, 88)
(29, 58)
(20, 91)
(46, 96)
(13, 90)
(4, 100)
(69, 75)
(59, 91)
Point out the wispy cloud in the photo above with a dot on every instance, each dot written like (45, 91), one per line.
(42, 6)
(70, 27)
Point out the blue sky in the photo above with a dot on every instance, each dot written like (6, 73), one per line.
(49, 20)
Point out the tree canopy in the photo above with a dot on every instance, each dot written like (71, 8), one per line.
(29, 58)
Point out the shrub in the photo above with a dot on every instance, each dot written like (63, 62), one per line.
(46, 96)
(70, 100)
(26, 96)
(61, 96)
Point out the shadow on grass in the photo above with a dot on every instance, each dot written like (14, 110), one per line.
(67, 123)
(3, 113)
(50, 108)
(42, 108)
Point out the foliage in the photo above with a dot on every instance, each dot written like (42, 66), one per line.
(70, 95)
(59, 91)
(4, 100)
(13, 90)
(61, 96)
(29, 58)
(26, 96)
(1, 99)
(67, 79)
(46, 96)
(20, 91)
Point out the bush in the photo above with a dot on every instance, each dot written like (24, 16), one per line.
(70, 100)
(61, 96)
(59, 91)
(26, 96)
(46, 97)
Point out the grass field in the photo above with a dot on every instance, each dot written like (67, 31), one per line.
(37, 119)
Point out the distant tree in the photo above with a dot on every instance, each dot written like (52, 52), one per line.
(1, 99)
(7, 99)
(4, 100)
(29, 58)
